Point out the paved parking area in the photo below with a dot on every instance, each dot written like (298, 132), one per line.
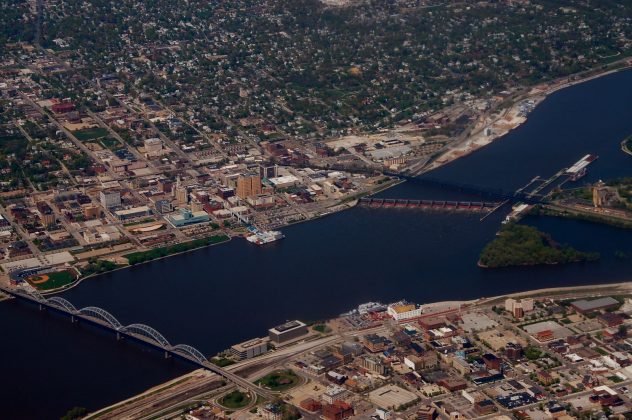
(474, 321)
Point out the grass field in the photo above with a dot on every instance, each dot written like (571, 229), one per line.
(55, 280)
(235, 400)
(90, 133)
(279, 380)
(143, 256)
(110, 143)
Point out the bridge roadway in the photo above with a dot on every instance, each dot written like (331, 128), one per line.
(140, 332)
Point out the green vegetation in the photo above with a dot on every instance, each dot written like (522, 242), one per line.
(56, 280)
(280, 380)
(222, 361)
(532, 353)
(96, 266)
(139, 222)
(110, 143)
(235, 400)
(575, 215)
(321, 328)
(525, 245)
(75, 413)
(90, 133)
(615, 379)
(144, 256)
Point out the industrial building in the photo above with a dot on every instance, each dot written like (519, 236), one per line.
(584, 306)
(287, 332)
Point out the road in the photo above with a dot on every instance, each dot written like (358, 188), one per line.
(153, 405)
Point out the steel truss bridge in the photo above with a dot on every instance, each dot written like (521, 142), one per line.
(140, 332)
(490, 193)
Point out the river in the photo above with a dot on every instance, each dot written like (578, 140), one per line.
(218, 296)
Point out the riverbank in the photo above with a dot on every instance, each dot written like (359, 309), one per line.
(345, 204)
(510, 117)
(626, 145)
(152, 397)
(518, 245)
(123, 267)
(585, 214)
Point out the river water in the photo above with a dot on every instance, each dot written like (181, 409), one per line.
(215, 297)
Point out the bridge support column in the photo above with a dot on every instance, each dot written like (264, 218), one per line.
(167, 355)
(118, 336)
(41, 307)
(73, 319)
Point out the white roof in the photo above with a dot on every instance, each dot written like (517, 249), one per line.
(133, 210)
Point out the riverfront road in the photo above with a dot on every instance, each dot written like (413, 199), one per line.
(140, 332)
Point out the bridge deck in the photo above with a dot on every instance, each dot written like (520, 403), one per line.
(157, 342)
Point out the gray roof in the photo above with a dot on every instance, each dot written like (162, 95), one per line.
(589, 305)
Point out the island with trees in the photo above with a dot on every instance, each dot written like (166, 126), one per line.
(517, 245)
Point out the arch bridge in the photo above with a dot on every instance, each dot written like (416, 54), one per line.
(140, 332)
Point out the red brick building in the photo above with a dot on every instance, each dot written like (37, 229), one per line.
(63, 107)
(337, 411)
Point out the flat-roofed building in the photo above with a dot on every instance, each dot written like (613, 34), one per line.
(110, 198)
(287, 332)
(47, 217)
(584, 306)
(187, 217)
(373, 365)
(132, 213)
(248, 185)
(401, 311)
(334, 393)
(251, 348)
(91, 212)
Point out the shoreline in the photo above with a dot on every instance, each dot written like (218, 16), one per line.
(538, 94)
(123, 267)
(596, 289)
(338, 208)
(624, 147)
(431, 309)
(538, 97)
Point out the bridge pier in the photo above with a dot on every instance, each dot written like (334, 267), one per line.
(167, 355)
(119, 337)
(41, 307)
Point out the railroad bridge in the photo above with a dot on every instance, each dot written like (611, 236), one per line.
(139, 332)
(496, 194)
